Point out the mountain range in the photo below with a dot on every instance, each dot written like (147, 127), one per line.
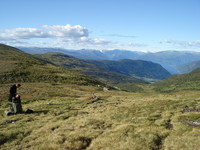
(134, 68)
(18, 66)
(70, 110)
(170, 60)
(87, 68)
(105, 69)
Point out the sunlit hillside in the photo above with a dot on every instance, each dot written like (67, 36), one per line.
(189, 81)
(17, 66)
(74, 112)
(87, 68)
(70, 117)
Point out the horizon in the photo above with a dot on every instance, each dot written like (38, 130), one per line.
(101, 50)
(143, 26)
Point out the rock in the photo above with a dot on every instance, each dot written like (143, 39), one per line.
(105, 89)
(8, 113)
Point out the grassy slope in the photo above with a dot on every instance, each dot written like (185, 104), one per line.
(189, 81)
(189, 67)
(87, 68)
(122, 81)
(17, 66)
(139, 68)
(66, 117)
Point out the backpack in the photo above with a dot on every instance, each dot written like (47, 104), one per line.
(10, 98)
(16, 104)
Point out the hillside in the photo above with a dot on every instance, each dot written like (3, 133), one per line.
(189, 67)
(189, 81)
(17, 66)
(88, 68)
(170, 60)
(97, 68)
(138, 68)
(68, 117)
(81, 117)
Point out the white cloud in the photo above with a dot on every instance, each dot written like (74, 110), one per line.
(65, 36)
(182, 44)
(45, 31)
(60, 35)
(22, 33)
(98, 41)
(120, 35)
(131, 44)
(67, 31)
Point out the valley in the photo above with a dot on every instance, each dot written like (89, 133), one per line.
(73, 111)
(175, 62)
(100, 75)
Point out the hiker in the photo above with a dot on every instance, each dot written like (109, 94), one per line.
(13, 91)
(15, 100)
(15, 105)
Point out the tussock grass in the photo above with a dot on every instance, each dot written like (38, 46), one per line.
(67, 117)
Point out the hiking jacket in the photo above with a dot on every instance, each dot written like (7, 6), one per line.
(13, 91)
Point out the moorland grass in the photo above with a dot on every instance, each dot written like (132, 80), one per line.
(67, 117)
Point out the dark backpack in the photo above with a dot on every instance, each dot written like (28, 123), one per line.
(16, 104)
(10, 98)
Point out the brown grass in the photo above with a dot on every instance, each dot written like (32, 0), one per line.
(67, 117)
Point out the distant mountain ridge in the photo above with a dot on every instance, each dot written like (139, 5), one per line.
(127, 67)
(87, 67)
(87, 53)
(170, 60)
(139, 68)
(18, 66)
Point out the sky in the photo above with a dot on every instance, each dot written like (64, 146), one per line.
(139, 25)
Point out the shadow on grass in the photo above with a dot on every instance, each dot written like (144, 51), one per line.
(28, 111)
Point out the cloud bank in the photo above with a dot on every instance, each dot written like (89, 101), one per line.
(55, 31)
(182, 44)
(54, 35)
(77, 37)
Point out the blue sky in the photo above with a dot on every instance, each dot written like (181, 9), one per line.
(141, 25)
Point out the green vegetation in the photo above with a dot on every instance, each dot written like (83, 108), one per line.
(74, 113)
(189, 81)
(17, 66)
(90, 68)
(189, 67)
(125, 67)
(67, 117)
(139, 68)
